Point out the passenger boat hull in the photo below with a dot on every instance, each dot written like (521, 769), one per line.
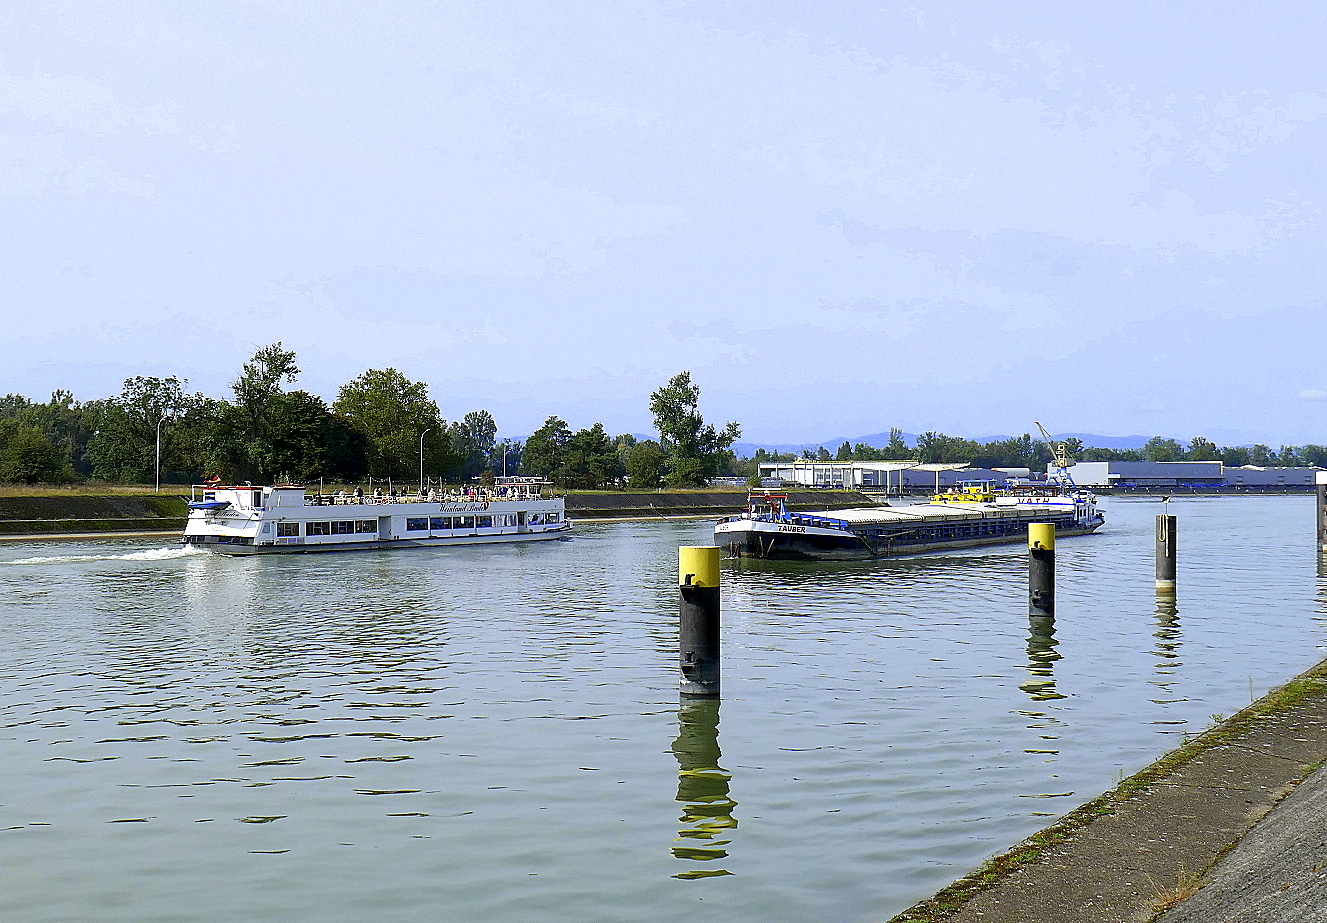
(232, 548)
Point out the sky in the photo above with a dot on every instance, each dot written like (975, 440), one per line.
(840, 217)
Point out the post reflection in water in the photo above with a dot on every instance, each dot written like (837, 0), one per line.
(1042, 655)
(702, 789)
(1168, 626)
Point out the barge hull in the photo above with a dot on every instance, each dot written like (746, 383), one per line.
(785, 546)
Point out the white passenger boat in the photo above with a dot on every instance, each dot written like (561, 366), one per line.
(288, 518)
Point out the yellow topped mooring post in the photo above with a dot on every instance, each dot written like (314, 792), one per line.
(1041, 568)
(698, 619)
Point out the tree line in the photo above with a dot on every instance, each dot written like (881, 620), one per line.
(380, 426)
(1026, 452)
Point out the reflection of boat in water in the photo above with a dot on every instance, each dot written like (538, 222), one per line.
(974, 513)
(267, 520)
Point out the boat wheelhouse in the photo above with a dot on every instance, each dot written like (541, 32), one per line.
(288, 518)
(975, 513)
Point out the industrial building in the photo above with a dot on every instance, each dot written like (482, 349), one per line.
(1209, 475)
(888, 476)
(912, 477)
(1148, 474)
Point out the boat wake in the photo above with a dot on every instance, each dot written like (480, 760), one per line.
(151, 554)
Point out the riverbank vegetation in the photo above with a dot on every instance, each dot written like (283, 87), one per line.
(381, 426)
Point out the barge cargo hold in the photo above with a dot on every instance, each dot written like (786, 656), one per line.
(971, 516)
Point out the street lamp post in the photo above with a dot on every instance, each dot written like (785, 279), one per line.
(421, 459)
(158, 469)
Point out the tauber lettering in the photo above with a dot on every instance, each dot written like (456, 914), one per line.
(792, 528)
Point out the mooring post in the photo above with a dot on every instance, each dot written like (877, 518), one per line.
(1041, 568)
(698, 619)
(1321, 478)
(1166, 526)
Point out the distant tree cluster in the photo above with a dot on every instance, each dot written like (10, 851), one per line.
(688, 453)
(377, 427)
(1026, 452)
(264, 433)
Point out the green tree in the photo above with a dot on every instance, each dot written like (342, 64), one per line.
(474, 437)
(1315, 455)
(937, 447)
(645, 465)
(545, 449)
(844, 452)
(589, 461)
(124, 447)
(696, 451)
(307, 441)
(1234, 456)
(393, 412)
(260, 380)
(30, 456)
(1159, 449)
(1201, 449)
(897, 449)
(1260, 455)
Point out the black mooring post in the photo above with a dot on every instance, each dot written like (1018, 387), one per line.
(1041, 568)
(1166, 528)
(698, 620)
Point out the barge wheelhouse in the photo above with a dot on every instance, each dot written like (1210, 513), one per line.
(287, 518)
(974, 514)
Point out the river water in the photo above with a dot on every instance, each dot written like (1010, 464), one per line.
(495, 734)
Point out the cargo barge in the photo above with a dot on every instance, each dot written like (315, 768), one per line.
(971, 515)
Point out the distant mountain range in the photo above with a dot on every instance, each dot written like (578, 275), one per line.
(878, 440)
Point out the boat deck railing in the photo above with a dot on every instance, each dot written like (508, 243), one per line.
(477, 495)
(792, 519)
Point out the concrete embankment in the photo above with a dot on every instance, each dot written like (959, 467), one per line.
(698, 503)
(86, 514)
(1151, 842)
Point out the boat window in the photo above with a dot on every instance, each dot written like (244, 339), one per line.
(484, 522)
(343, 528)
(417, 525)
(366, 525)
(438, 523)
(286, 529)
(317, 528)
(464, 522)
(536, 519)
(553, 517)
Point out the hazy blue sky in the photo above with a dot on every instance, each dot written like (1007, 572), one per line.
(840, 216)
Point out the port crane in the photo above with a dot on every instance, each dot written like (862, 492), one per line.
(1059, 457)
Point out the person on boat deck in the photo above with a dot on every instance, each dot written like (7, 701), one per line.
(359, 493)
